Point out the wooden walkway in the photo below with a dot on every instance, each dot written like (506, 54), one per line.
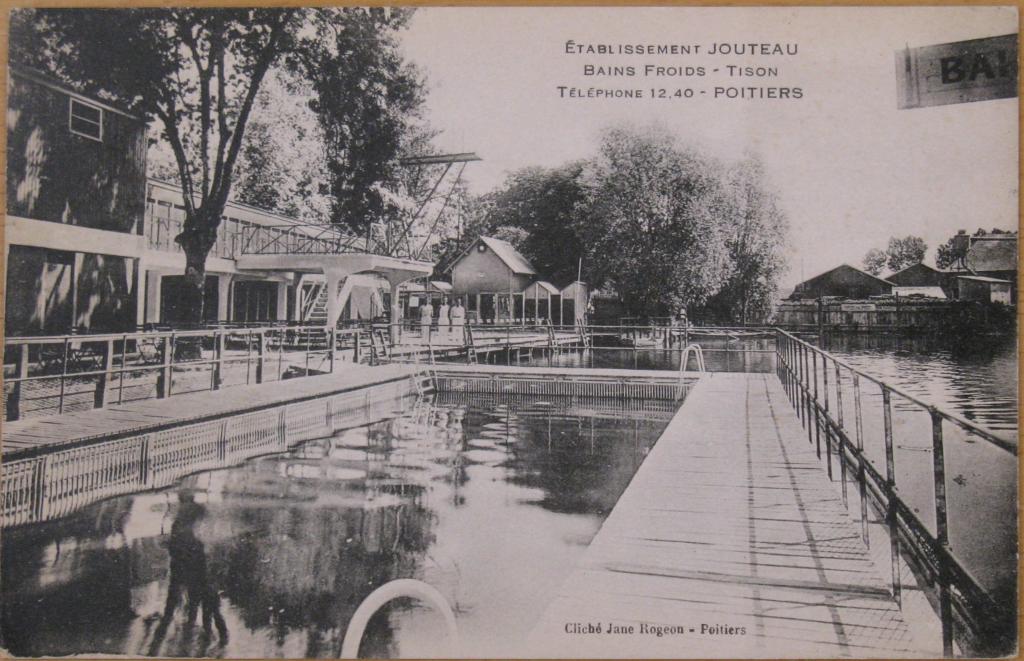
(35, 435)
(731, 532)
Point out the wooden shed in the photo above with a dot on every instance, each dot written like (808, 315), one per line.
(844, 281)
(543, 302)
(489, 277)
(575, 299)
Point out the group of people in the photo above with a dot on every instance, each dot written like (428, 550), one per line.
(449, 318)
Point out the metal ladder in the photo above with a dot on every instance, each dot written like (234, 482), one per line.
(582, 330)
(684, 361)
(379, 352)
(698, 356)
(552, 342)
(470, 347)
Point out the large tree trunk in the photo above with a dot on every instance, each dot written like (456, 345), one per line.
(198, 237)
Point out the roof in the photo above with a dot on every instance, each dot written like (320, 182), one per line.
(981, 278)
(49, 81)
(846, 266)
(508, 254)
(992, 254)
(918, 266)
(546, 286)
(927, 292)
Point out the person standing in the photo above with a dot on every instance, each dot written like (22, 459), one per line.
(426, 317)
(458, 319)
(442, 319)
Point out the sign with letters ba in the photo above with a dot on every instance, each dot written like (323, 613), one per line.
(958, 72)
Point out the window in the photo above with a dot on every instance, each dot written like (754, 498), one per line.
(86, 120)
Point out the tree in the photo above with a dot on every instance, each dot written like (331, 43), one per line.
(198, 73)
(652, 226)
(898, 254)
(195, 71)
(756, 233)
(545, 205)
(875, 260)
(367, 101)
(905, 252)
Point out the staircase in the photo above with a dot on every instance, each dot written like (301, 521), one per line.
(316, 312)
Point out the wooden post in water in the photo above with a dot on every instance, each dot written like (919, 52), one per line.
(942, 533)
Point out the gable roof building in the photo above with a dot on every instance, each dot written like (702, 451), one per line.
(844, 281)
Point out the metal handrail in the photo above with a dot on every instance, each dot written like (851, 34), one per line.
(959, 592)
(973, 427)
(110, 362)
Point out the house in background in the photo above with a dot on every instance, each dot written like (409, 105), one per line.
(490, 277)
(844, 281)
(984, 288)
(923, 275)
(498, 284)
(994, 256)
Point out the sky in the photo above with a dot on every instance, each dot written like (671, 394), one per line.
(849, 168)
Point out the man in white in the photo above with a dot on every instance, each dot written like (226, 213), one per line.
(458, 319)
(426, 317)
(443, 330)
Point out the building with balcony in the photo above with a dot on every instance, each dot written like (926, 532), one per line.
(90, 241)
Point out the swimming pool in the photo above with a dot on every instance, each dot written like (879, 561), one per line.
(490, 499)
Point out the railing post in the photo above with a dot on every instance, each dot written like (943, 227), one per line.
(163, 384)
(839, 423)
(859, 439)
(218, 356)
(63, 374)
(103, 380)
(942, 533)
(840, 438)
(332, 337)
(261, 352)
(18, 393)
(890, 505)
(817, 417)
(356, 349)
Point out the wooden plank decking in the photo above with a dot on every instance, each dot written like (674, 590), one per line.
(731, 522)
(33, 435)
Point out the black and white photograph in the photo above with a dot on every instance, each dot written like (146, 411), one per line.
(510, 332)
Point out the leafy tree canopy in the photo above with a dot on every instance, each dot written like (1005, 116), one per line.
(898, 254)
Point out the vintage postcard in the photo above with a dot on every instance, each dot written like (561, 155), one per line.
(511, 332)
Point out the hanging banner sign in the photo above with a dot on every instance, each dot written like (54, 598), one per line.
(958, 72)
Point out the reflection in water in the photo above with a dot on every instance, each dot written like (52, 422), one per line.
(188, 576)
(491, 502)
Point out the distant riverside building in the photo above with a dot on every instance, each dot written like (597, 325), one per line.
(983, 288)
(994, 256)
(90, 240)
(922, 275)
(843, 281)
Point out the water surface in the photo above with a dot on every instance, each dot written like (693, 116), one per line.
(490, 501)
